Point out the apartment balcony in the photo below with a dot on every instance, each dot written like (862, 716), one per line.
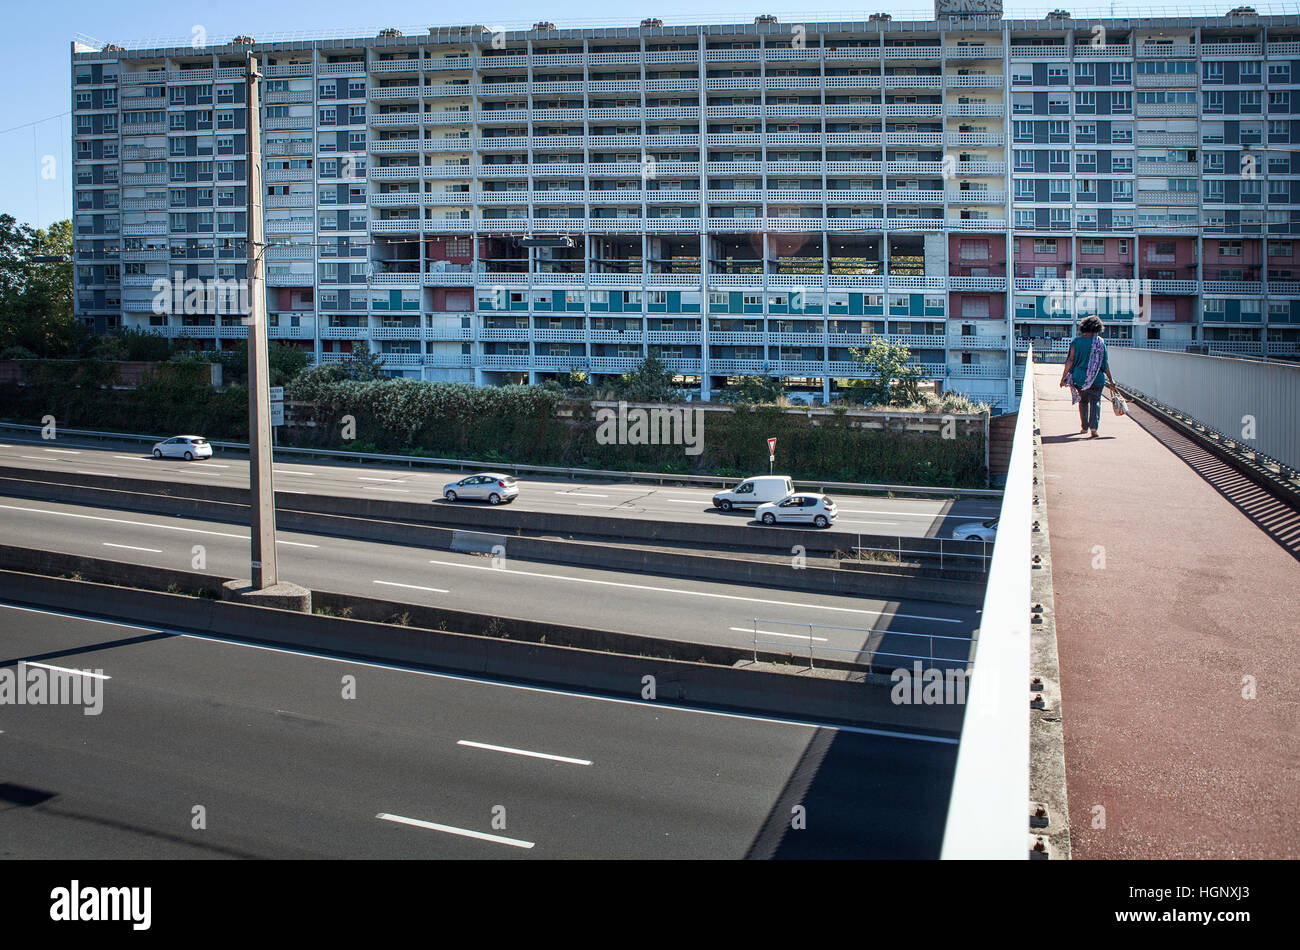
(146, 254)
(1235, 288)
(1232, 50)
(984, 370)
(391, 93)
(397, 332)
(329, 332)
(283, 276)
(505, 334)
(340, 69)
(397, 173)
(848, 196)
(437, 199)
(1146, 196)
(144, 178)
(406, 279)
(279, 123)
(289, 201)
(407, 225)
(972, 138)
(1172, 286)
(1168, 169)
(144, 204)
(436, 278)
(408, 65)
(273, 149)
(1150, 50)
(291, 333)
(142, 153)
(287, 70)
(977, 342)
(279, 175)
(290, 252)
(1283, 49)
(457, 144)
(290, 96)
(402, 146)
(395, 120)
(991, 81)
(1044, 53)
(971, 51)
(957, 109)
(1171, 139)
(394, 199)
(1147, 110)
(1103, 51)
(1284, 288)
(1165, 80)
(147, 229)
(990, 284)
(290, 227)
(671, 196)
(913, 52)
(144, 128)
(971, 196)
(618, 280)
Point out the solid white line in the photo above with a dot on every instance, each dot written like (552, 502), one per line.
(133, 458)
(478, 680)
(576, 494)
(581, 505)
(208, 465)
(534, 755)
(132, 547)
(686, 501)
(63, 451)
(100, 474)
(34, 458)
(673, 590)
(773, 633)
(404, 491)
(64, 669)
(284, 471)
(463, 832)
(363, 478)
(433, 590)
(147, 524)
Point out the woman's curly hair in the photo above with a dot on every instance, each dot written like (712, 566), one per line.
(1091, 325)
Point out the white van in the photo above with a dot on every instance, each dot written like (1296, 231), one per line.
(755, 491)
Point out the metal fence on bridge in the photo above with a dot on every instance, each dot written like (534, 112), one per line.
(1247, 401)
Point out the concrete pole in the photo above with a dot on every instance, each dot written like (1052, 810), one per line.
(261, 492)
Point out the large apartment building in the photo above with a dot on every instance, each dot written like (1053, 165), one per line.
(741, 199)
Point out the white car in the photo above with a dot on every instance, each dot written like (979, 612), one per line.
(803, 508)
(491, 487)
(188, 447)
(976, 531)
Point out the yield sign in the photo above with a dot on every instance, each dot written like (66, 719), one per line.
(771, 446)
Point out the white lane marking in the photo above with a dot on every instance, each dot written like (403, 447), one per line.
(146, 524)
(576, 494)
(463, 832)
(34, 458)
(100, 474)
(285, 471)
(849, 521)
(686, 501)
(64, 669)
(656, 705)
(132, 547)
(432, 590)
(208, 465)
(534, 755)
(132, 458)
(363, 478)
(63, 451)
(773, 633)
(5, 445)
(404, 491)
(692, 593)
(581, 505)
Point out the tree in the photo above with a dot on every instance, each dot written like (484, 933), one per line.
(894, 379)
(753, 389)
(36, 299)
(652, 381)
(361, 364)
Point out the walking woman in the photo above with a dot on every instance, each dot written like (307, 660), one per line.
(1084, 368)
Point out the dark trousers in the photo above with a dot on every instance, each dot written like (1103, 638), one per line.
(1090, 406)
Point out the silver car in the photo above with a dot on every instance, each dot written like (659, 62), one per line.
(492, 487)
(805, 508)
(976, 531)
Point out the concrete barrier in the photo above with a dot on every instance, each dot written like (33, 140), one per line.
(883, 581)
(826, 698)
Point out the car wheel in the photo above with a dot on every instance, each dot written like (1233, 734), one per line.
(769, 518)
(820, 521)
(974, 537)
(451, 495)
(494, 499)
(724, 505)
(189, 456)
(157, 453)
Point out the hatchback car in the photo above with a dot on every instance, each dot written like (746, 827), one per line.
(976, 531)
(807, 508)
(491, 487)
(188, 447)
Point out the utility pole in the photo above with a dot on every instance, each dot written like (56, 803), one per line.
(261, 492)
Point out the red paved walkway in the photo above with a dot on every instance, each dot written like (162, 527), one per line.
(1193, 596)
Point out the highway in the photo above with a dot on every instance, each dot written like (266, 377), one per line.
(664, 607)
(908, 517)
(418, 764)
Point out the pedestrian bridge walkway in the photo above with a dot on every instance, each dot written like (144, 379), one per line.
(1177, 600)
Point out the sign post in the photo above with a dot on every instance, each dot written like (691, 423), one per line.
(771, 455)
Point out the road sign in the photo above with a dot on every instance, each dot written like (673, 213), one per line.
(771, 446)
(277, 405)
(277, 393)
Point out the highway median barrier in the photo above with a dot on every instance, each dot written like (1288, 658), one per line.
(463, 643)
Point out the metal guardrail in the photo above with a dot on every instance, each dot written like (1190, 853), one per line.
(988, 812)
(1248, 402)
(660, 478)
(947, 550)
(872, 652)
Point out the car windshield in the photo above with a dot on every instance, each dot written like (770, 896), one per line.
(991, 524)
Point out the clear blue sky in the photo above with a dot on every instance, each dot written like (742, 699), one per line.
(36, 35)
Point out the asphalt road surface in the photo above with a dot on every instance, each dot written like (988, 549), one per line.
(908, 517)
(666, 607)
(262, 745)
